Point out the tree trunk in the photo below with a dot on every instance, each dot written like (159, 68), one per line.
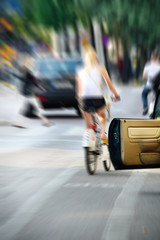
(117, 48)
(66, 39)
(127, 72)
(105, 52)
(119, 60)
(92, 34)
(143, 53)
(77, 37)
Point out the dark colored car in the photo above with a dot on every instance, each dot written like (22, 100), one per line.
(58, 78)
(135, 143)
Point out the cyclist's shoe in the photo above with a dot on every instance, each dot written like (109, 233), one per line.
(89, 139)
(86, 138)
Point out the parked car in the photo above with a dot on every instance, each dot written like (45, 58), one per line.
(58, 78)
(135, 143)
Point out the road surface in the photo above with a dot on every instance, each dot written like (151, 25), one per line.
(46, 193)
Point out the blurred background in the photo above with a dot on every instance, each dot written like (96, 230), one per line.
(45, 191)
(123, 34)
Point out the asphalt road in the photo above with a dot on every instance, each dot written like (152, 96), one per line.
(46, 193)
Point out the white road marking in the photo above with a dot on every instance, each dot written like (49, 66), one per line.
(40, 140)
(119, 222)
(90, 185)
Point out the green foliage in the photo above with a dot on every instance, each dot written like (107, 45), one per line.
(134, 21)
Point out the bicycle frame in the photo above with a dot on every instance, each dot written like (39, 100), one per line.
(94, 147)
(96, 128)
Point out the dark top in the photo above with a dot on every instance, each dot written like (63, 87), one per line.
(28, 83)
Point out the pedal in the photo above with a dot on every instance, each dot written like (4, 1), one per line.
(97, 153)
(105, 141)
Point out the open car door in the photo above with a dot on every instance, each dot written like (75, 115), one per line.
(135, 143)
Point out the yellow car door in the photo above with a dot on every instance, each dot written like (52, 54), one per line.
(135, 143)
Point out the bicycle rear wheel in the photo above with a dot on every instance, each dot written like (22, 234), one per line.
(90, 161)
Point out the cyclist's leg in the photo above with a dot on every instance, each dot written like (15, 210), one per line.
(103, 120)
(88, 132)
(87, 119)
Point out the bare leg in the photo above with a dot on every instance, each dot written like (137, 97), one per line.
(103, 121)
(87, 118)
(88, 132)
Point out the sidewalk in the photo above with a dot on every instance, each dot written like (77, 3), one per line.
(10, 101)
(6, 98)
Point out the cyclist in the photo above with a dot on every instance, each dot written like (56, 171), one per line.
(89, 93)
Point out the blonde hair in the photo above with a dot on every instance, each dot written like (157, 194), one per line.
(90, 56)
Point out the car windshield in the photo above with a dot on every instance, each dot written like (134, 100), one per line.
(71, 66)
(50, 67)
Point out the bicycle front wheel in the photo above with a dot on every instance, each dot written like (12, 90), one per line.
(107, 165)
(90, 161)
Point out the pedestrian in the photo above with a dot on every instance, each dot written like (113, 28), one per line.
(89, 90)
(28, 82)
(150, 71)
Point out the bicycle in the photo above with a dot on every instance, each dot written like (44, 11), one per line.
(95, 148)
